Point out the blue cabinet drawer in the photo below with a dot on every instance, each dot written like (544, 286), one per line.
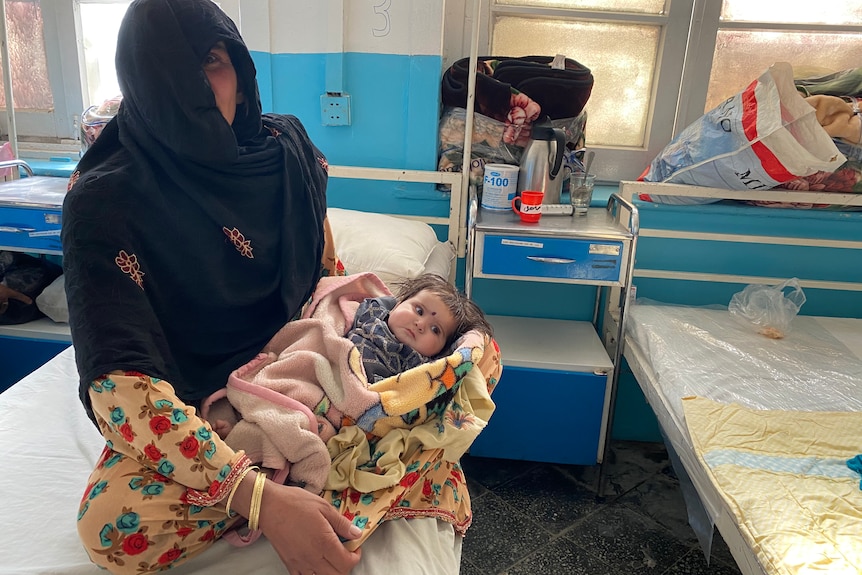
(30, 229)
(545, 415)
(554, 258)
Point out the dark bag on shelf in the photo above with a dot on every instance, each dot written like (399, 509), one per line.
(22, 278)
(561, 93)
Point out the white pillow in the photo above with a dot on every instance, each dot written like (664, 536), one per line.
(440, 259)
(393, 248)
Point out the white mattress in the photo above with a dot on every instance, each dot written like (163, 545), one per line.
(49, 448)
(676, 352)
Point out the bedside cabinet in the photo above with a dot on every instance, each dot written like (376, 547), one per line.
(30, 219)
(551, 401)
(556, 395)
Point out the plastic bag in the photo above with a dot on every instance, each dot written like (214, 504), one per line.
(488, 144)
(769, 309)
(94, 119)
(52, 301)
(760, 138)
(490, 147)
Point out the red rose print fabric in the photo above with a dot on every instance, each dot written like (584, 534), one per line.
(155, 496)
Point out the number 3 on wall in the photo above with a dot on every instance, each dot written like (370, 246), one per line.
(383, 10)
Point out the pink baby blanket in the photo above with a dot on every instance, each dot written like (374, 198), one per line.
(308, 384)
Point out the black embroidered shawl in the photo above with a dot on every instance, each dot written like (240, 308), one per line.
(188, 242)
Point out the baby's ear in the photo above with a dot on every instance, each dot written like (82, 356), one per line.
(240, 97)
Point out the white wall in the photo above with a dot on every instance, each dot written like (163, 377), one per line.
(409, 27)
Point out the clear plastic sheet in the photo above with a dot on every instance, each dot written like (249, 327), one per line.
(705, 352)
(95, 118)
(37, 191)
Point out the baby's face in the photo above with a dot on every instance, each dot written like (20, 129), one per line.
(423, 322)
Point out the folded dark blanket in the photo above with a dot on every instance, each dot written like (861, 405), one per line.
(560, 93)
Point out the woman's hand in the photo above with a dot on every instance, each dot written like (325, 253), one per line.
(302, 528)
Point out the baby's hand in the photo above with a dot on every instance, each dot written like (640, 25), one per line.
(222, 428)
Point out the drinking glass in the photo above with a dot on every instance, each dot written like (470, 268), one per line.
(581, 192)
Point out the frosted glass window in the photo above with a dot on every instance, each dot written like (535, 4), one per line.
(30, 87)
(622, 58)
(741, 56)
(100, 24)
(793, 11)
(634, 6)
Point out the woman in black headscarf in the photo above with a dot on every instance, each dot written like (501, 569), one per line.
(193, 230)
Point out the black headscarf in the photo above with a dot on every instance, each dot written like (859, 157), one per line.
(188, 242)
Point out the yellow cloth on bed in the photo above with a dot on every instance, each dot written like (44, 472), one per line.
(783, 474)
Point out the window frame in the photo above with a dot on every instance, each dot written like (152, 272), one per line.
(46, 133)
(696, 75)
(62, 59)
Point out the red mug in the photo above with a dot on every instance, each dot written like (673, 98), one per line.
(531, 205)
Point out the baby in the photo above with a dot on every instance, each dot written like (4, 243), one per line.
(394, 334)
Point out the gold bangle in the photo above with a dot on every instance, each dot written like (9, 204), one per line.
(235, 485)
(256, 498)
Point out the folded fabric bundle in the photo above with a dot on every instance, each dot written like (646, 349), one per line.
(842, 83)
(839, 118)
(560, 93)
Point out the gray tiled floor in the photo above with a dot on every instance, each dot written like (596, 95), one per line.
(545, 519)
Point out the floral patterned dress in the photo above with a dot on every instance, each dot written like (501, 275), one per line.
(153, 499)
(157, 494)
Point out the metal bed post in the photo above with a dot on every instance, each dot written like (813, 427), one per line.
(466, 207)
(616, 205)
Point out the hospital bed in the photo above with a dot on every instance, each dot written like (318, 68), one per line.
(49, 445)
(759, 429)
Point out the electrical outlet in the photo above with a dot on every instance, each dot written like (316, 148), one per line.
(335, 109)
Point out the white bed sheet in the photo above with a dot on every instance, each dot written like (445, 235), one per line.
(49, 447)
(676, 352)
